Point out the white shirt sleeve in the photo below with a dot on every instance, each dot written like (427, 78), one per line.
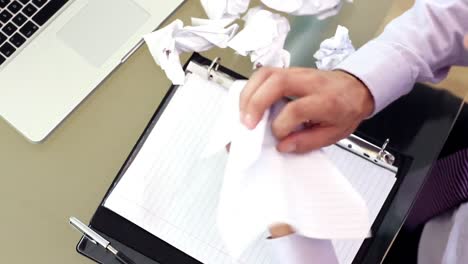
(418, 46)
(297, 249)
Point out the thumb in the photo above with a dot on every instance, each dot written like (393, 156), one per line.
(309, 139)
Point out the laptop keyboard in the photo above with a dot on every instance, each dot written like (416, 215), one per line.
(20, 19)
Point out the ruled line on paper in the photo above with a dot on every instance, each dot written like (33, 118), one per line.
(172, 193)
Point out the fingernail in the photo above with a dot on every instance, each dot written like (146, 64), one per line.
(290, 148)
(248, 121)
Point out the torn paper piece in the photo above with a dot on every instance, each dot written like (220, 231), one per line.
(330, 12)
(321, 8)
(262, 187)
(219, 9)
(273, 58)
(263, 38)
(162, 47)
(205, 36)
(334, 50)
(168, 43)
(223, 22)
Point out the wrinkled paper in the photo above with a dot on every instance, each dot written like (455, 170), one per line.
(263, 187)
(320, 8)
(218, 9)
(334, 50)
(263, 38)
(168, 43)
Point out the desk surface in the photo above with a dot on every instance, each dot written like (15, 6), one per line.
(44, 184)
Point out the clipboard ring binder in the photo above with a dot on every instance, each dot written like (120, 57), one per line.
(379, 155)
(382, 150)
(213, 71)
(385, 155)
(214, 66)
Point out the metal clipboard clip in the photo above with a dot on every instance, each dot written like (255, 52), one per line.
(210, 72)
(377, 155)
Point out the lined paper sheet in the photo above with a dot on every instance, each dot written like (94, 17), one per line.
(373, 182)
(172, 192)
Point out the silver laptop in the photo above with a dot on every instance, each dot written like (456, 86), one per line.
(53, 53)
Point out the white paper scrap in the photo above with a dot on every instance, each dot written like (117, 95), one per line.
(334, 50)
(262, 187)
(320, 8)
(218, 9)
(263, 38)
(168, 43)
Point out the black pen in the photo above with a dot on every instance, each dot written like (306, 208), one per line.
(98, 239)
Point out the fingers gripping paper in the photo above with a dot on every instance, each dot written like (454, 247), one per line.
(306, 191)
(172, 188)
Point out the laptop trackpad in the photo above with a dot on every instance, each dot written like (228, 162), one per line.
(99, 29)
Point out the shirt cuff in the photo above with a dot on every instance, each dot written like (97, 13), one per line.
(297, 249)
(383, 70)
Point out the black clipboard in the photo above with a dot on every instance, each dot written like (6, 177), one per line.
(143, 247)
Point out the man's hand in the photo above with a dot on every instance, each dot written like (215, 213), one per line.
(281, 230)
(465, 42)
(332, 103)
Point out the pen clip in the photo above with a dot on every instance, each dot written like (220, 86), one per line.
(90, 239)
(88, 232)
(84, 235)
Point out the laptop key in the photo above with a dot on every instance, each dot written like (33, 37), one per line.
(25, 1)
(17, 40)
(5, 16)
(7, 49)
(28, 29)
(29, 10)
(9, 29)
(3, 38)
(2, 59)
(39, 3)
(19, 19)
(48, 11)
(4, 3)
(15, 7)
